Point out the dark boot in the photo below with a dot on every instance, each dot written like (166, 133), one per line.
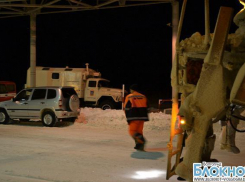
(139, 147)
(139, 141)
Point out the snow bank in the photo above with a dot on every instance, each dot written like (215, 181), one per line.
(116, 119)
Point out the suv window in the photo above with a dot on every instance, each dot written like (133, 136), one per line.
(92, 84)
(67, 92)
(23, 95)
(39, 94)
(51, 94)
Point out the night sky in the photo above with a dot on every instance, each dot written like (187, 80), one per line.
(127, 45)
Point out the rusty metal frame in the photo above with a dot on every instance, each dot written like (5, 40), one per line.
(14, 8)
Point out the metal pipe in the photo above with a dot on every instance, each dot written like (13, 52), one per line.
(36, 9)
(33, 49)
(123, 90)
(207, 24)
(87, 68)
(105, 3)
(175, 104)
(81, 3)
(181, 22)
(175, 22)
(41, 6)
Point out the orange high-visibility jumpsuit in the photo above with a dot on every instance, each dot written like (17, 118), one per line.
(135, 107)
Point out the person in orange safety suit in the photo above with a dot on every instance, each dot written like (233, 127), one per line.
(136, 111)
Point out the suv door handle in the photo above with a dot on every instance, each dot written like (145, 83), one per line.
(42, 102)
(25, 103)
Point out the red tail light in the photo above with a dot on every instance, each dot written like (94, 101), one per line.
(60, 103)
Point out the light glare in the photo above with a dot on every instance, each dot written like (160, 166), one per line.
(148, 174)
(182, 121)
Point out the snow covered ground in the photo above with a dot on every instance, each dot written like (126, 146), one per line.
(96, 148)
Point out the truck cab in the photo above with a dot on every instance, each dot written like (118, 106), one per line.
(7, 90)
(98, 93)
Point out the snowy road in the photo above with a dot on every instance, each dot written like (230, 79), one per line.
(98, 149)
(77, 153)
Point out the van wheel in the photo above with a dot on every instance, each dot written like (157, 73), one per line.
(4, 117)
(49, 119)
(107, 104)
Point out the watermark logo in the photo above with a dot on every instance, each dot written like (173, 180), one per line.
(214, 171)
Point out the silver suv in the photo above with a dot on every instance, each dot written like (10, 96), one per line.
(50, 104)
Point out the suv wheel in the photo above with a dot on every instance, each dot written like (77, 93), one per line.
(107, 104)
(4, 117)
(74, 103)
(48, 119)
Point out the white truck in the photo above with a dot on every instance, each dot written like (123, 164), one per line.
(92, 90)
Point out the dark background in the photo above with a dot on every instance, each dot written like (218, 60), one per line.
(127, 45)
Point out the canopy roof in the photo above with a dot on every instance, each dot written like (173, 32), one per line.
(14, 8)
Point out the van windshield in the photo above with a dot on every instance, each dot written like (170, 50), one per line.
(10, 87)
(3, 89)
(6, 88)
(104, 83)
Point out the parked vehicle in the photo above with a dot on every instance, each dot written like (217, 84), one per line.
(91, 88)
(7, 90)
(49, 104)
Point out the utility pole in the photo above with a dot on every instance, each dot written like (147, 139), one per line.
(33, 46)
